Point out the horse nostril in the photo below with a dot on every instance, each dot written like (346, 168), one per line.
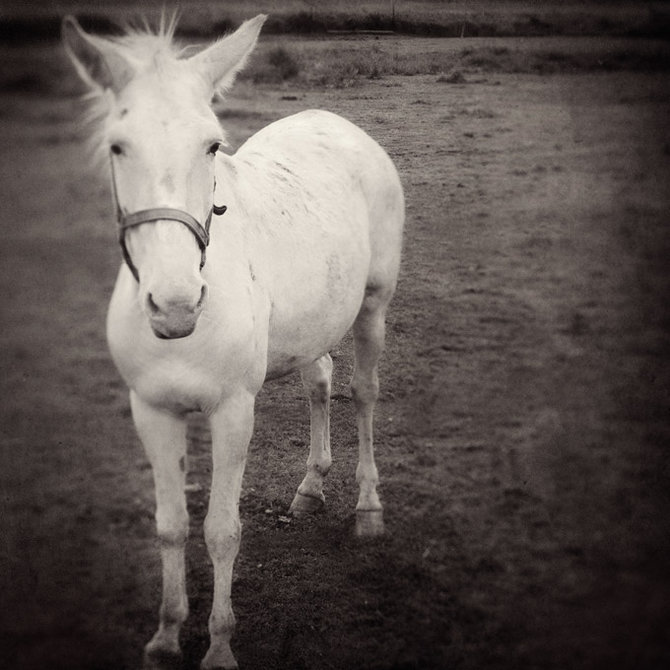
(154, 309)
(175, 306)
(203, 297)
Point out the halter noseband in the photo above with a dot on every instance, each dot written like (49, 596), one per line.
(135, 219)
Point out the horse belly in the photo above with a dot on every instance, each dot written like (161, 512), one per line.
(324, 303)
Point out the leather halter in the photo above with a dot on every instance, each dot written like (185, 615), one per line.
(126, 221)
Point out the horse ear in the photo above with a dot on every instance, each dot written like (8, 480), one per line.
(97, 61)
(221, 62)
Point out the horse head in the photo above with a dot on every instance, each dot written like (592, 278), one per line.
(162, 137)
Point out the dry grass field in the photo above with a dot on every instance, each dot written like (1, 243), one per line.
(523, 422)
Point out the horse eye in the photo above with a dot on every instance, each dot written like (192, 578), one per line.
(116, 149)
(214, 148)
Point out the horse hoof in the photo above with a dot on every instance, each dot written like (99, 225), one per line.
(306, 504)
(223, 660)
(369, 522)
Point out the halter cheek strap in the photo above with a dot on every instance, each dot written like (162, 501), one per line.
(126, 221)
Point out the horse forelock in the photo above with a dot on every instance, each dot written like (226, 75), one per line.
(142, 43)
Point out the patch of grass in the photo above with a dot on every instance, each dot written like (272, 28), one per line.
(300, 23)
(455, 77)
(333, 64)
(277, 65)
(491, 59)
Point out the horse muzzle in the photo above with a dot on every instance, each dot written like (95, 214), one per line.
(176, 316)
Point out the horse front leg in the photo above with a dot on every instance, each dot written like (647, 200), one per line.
(316, 379)
(164, 438)
(232, 426)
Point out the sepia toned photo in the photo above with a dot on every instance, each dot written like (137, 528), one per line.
(335, 335)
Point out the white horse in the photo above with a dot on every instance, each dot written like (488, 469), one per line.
(308, 248)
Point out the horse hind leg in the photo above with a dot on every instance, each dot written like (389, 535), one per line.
(369, 332)
(316, 379)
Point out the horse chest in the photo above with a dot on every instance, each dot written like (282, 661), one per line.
(180, 375)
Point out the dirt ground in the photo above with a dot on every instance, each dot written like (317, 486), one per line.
(522, 428)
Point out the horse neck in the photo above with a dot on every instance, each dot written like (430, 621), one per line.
(233, 178)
